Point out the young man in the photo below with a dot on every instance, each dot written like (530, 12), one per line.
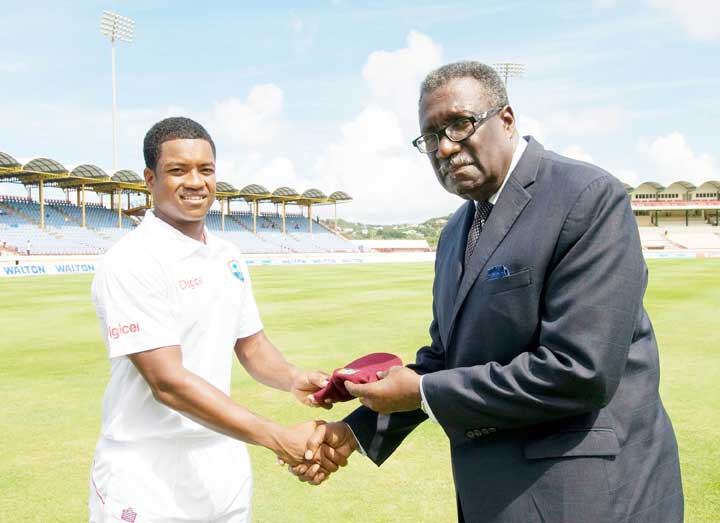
(173, 301)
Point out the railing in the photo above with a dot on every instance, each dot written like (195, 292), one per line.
(675, 203)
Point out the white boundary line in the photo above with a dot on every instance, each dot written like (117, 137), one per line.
(11, 267)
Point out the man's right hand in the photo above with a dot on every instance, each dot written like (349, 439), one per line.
(330, 442)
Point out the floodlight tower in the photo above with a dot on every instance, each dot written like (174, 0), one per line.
(115, 27)
(509, 70)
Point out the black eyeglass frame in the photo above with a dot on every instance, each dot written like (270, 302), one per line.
(476, 120)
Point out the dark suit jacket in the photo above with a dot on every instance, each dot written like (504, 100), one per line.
(546, 380)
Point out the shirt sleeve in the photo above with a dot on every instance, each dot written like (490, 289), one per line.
(425, 405)
(134, 308)
(249, 317)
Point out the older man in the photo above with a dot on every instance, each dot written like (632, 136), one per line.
(542, 368)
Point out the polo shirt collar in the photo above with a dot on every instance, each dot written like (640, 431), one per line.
(173, 242)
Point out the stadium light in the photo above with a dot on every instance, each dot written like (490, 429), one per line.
(121, 28)
(509, 70)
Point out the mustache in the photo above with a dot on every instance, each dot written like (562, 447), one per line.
(453, 163)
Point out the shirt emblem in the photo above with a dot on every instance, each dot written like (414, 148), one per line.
(235, 270)
(128, 515)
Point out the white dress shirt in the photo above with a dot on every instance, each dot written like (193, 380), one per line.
(517, 154)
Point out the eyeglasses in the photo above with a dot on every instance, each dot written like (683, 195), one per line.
(457, 131)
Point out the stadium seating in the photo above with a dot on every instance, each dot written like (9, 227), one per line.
(654, 238)
(694, 240)
(64, 234)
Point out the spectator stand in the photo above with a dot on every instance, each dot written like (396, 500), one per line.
(679, 204)
(96, 229)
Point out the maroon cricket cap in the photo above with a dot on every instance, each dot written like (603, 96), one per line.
(362, 370)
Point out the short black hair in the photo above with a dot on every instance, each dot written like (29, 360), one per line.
(175, 128)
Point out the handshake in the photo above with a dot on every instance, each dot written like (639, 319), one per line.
(314, 450)
(327, 448)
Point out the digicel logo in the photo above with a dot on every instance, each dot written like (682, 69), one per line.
(190, 283)
(116, 332)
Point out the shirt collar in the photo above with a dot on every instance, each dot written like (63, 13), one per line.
(174, 242)
(519, 150)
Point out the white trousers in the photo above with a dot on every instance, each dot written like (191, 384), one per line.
(181, 480)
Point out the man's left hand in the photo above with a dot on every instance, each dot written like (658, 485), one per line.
(306, 383)
(397, 390)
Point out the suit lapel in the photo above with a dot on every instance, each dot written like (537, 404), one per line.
(513, 199)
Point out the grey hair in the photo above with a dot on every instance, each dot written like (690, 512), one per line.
(492, 84)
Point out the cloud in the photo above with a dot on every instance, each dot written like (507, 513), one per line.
(388, 181)
(279, 172)
(673, 159)
(586, 122)
(13, 67)
(296, 24)
(628, 176)
(576, 152)
(700, 17)
(373, 160)
(528, 125)
(393, 77)
(604, 4)
(251, 122)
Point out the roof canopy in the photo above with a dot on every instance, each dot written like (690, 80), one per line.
(44, 166)
(285, 191)
(254, 189)
(52, 172)
(313, 193)
(89, 171)
(127, 176)
(7, 161)
(649, 187)
(225, 187)
(340, 196)
(707, 185)
(685, 185)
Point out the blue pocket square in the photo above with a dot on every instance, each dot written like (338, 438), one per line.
(497, 272)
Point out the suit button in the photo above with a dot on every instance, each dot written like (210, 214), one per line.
(470, 434)
(485, 432)
(492, 429)
(478, 432)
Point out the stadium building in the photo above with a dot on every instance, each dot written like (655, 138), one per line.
(679, 217)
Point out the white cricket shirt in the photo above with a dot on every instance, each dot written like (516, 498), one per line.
(157, 287)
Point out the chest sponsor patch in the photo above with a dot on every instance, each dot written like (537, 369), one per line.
(235, 270)
(190, 283)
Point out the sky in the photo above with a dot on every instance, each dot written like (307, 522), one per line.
(323, 94)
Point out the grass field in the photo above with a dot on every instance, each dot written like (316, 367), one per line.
(53, 372)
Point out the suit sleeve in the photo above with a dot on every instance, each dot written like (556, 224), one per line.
(379, 434)
(592, 294)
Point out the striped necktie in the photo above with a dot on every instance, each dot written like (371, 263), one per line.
(482, 212)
